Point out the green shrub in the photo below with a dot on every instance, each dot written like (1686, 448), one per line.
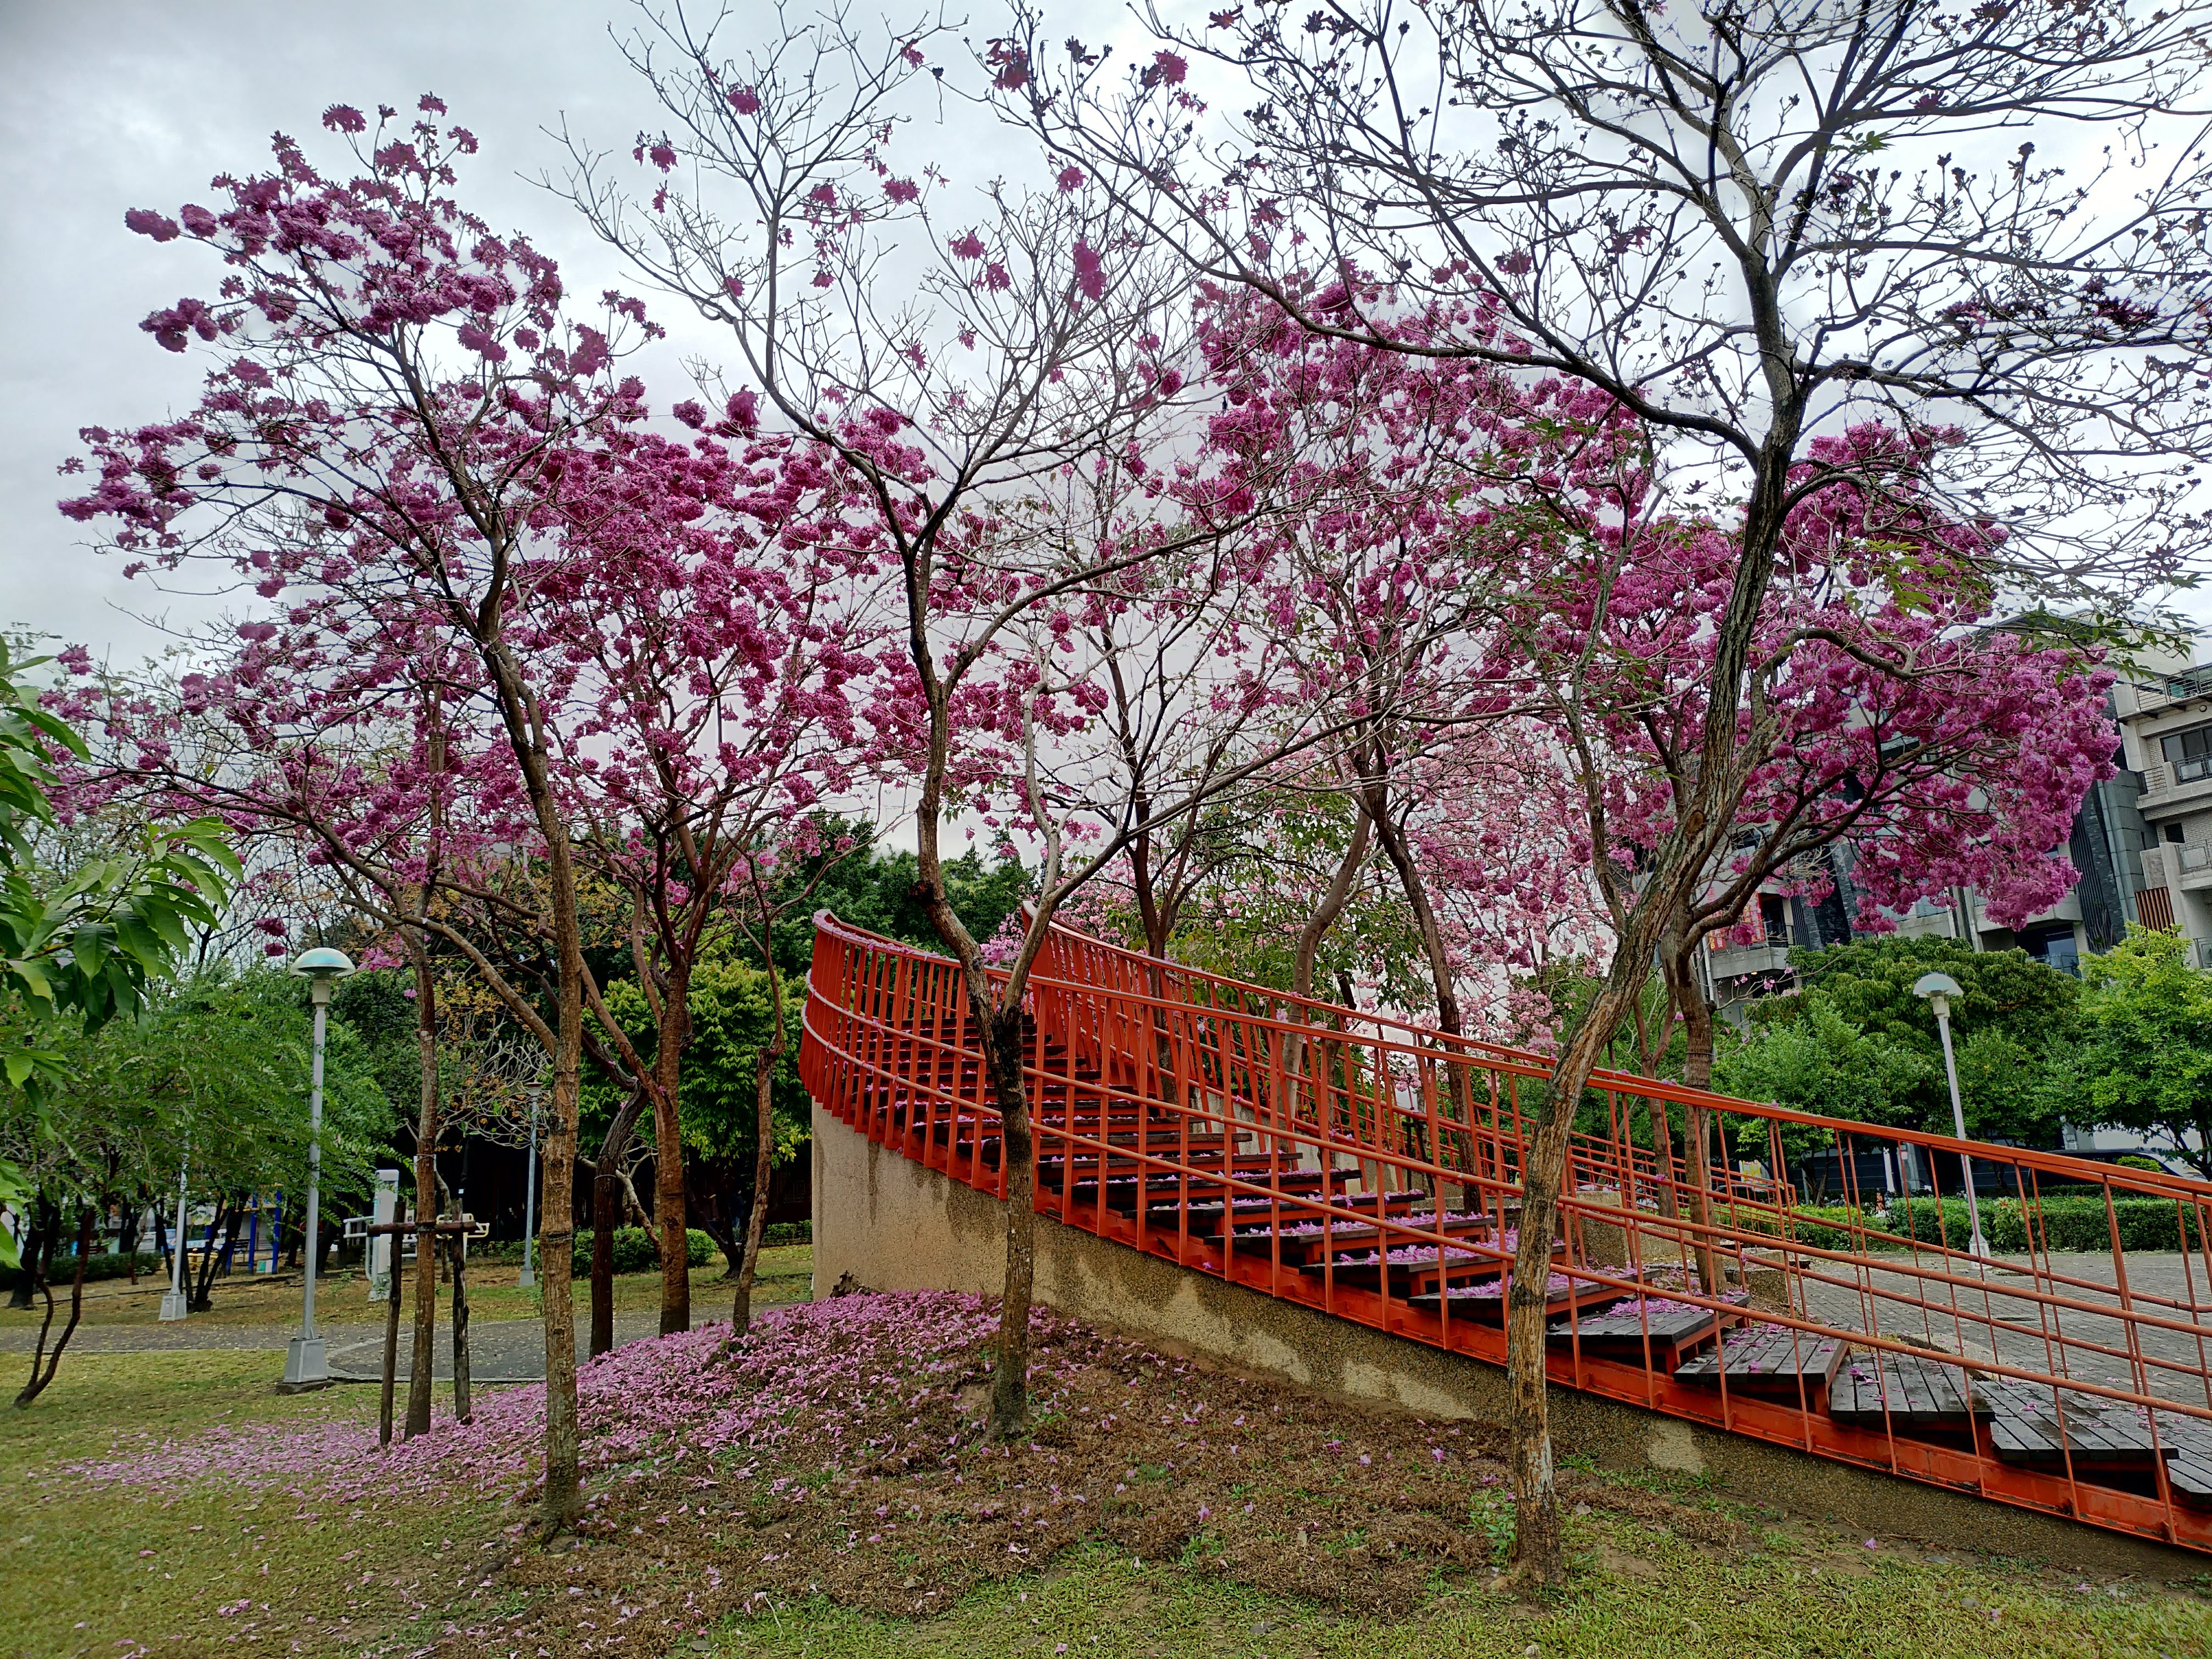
(2062, 1223)
(109, 1266)
(635, 1254)
(788, 1232)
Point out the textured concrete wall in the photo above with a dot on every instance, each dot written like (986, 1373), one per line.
(886, 1223)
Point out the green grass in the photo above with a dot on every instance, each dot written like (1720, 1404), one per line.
(1637, 1592)
(251, 1299)
(87, 1571)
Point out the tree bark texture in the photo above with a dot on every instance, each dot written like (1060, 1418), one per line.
(1000, 1032)
(38, 1379)
(668, 1197)
(741, 1304)
(422, 1366)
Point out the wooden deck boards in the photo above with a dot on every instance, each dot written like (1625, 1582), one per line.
(1772, 1361)
(2038, 1426)
(1622, 1332)
(1922, 1395)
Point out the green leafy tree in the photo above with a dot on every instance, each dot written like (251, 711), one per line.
(880, 892)
(732, 1025)
(1817, 1061)
(213, 1069)
(2011, 1026)
(2144, 1059)
(79, 946)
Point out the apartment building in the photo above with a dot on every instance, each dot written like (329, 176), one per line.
(2142, 841)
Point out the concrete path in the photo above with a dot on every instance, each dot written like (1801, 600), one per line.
(507, 1350)
(2028, 1334)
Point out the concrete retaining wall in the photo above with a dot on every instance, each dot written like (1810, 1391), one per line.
(885, 1222)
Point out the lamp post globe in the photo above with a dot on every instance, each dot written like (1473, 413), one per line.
(1937, 989)
(306, 1365)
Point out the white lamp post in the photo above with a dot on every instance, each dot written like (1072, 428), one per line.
(1939, 989)
(173, 1299)
(305, 1364)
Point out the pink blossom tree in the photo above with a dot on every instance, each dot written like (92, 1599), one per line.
(1684, 211)
(725, 614)
(959, 361)
(395, 399)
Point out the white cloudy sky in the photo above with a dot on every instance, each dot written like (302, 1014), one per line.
(114, 104)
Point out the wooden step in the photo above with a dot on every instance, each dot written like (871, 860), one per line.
(1775, 1362)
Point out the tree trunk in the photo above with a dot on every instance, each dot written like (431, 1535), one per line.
(741, 1307)
(423, 1363)
(228, 1215)
(38, 1251)
(37, 1384)
(1331, 907)
(1388, 832)
(606, 1189)
(1001, 1035)
(1678, 963)
(1538, 1550)
(668, 1206)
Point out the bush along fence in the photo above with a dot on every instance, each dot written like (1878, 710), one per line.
(635, 1250)
(108, 1265)
(2012, 1228)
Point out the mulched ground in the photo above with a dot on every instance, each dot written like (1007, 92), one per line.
(841, 1454)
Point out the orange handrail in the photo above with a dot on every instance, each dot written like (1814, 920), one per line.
(1165, 1101)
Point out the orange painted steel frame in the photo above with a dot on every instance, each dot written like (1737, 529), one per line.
(1214, 1090)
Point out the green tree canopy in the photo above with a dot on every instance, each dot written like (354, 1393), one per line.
(213, 1068)
(2144, 1060)
(1880, 1057)
(879, 891)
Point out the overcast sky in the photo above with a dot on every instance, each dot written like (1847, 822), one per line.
(116, 104)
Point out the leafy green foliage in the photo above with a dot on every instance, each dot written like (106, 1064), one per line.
(87, 944)
(2145, 1055)
(1855, 1042)
(732, 1020)
(214, 1068)
(879, 891)
(79, 948)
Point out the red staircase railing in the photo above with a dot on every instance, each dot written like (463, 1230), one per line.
(1369, 1168)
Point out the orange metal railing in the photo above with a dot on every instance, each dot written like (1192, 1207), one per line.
(1801, 1279)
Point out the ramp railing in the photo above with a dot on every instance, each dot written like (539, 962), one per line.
(1809, 1281)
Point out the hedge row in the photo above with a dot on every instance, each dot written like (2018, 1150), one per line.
(2059, 1223)
(109, 1266)
(635, 1254)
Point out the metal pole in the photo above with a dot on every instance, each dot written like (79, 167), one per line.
(529, 1207)
(1981, 1246)
(173, 1299)
(306, 1365)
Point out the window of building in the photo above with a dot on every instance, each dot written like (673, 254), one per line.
(2173, 833)
(1774, 916)
(2190, 754)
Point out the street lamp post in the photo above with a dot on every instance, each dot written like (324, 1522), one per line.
(1939, 989)
(306, 1363)
(174, 1300)
(529, 1276)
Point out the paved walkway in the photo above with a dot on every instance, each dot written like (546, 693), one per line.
(507, 1351)
(2033, 1335)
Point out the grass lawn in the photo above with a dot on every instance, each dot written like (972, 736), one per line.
(225, 1556)
(340, 1298)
